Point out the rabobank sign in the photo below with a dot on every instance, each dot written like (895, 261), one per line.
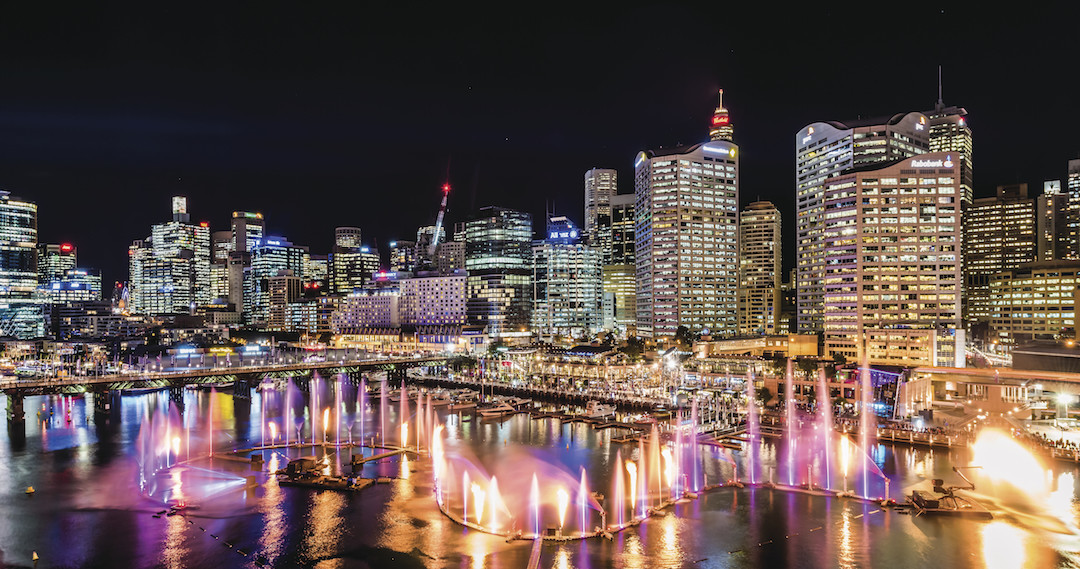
(946, 163)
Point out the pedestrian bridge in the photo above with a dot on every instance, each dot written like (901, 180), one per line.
(242, 378)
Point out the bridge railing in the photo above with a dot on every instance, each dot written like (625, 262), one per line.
(193, 372)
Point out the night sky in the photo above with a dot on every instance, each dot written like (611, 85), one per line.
(350, 116)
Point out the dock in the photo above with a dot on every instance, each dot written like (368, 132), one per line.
(925, 503)
(360, 461)
(327, 483)
(534, 557)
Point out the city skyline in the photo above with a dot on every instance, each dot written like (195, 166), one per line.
(245, 115)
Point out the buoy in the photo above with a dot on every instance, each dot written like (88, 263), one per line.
(29, 489)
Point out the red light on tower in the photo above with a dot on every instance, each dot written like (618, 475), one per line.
(445, 189)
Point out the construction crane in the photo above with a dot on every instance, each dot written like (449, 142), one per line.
(439, 221)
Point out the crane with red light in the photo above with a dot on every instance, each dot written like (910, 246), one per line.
(439, 221)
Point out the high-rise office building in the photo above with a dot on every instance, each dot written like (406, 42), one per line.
(403, 256)
(1071, 233)
(619, 304)
(284, 288)
(759, 269)
(999, 235)
(1052, 222)
(272, 256)
(450, 257)
(601, 184)
(686, 211)
(824, 150)
(351, 263)
(247, 231)
(949, 132)
(21, 308)
(424, 237)
(75, 285)
(315, 277)
(566, 283)
(1035, 302)
(498, 258)
(170, 270)
(892, 275)
(53, 259)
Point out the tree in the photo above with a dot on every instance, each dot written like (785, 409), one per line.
(840, 359)
(777, 367)
(763, 395)
(634, 348)
(684, 337)
(808, 367)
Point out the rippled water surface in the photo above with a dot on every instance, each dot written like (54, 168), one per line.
(97, 494)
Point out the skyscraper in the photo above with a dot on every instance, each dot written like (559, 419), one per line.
(1052, 222)
(350, 262)
(498, 258)
(53, 259)
(566, 283)
(824, 150)
(949, 132)
(601, 184)
(759, 269)
(1071, 237)
(892, 257)
(999, 235)
(247, 231)
(271, 257)
(170, 270)
(686, 229)
(720, 128)
(619, 303)
(21, 310)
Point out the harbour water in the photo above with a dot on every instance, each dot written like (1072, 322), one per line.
(101, 501)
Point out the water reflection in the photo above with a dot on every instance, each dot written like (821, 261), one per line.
(325, 525)
(272, 538)
(84, 471)
(1003, 546)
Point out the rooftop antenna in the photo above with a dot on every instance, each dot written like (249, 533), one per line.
(940, 104)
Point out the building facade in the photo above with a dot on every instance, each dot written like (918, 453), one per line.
(892, 255)
(1035, 302)
(498, 258)
(601, 185)
(21, 308)
(999, 235)
(824, 150)
(566, 284)
(759, 269)
(170, 270)
(271, 256)
(685, 231)
(619, 302)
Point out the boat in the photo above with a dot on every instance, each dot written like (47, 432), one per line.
(441, 399)
(462, 401)
(517, 402)
(411, 392)
(498, 409)
(597, 410)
